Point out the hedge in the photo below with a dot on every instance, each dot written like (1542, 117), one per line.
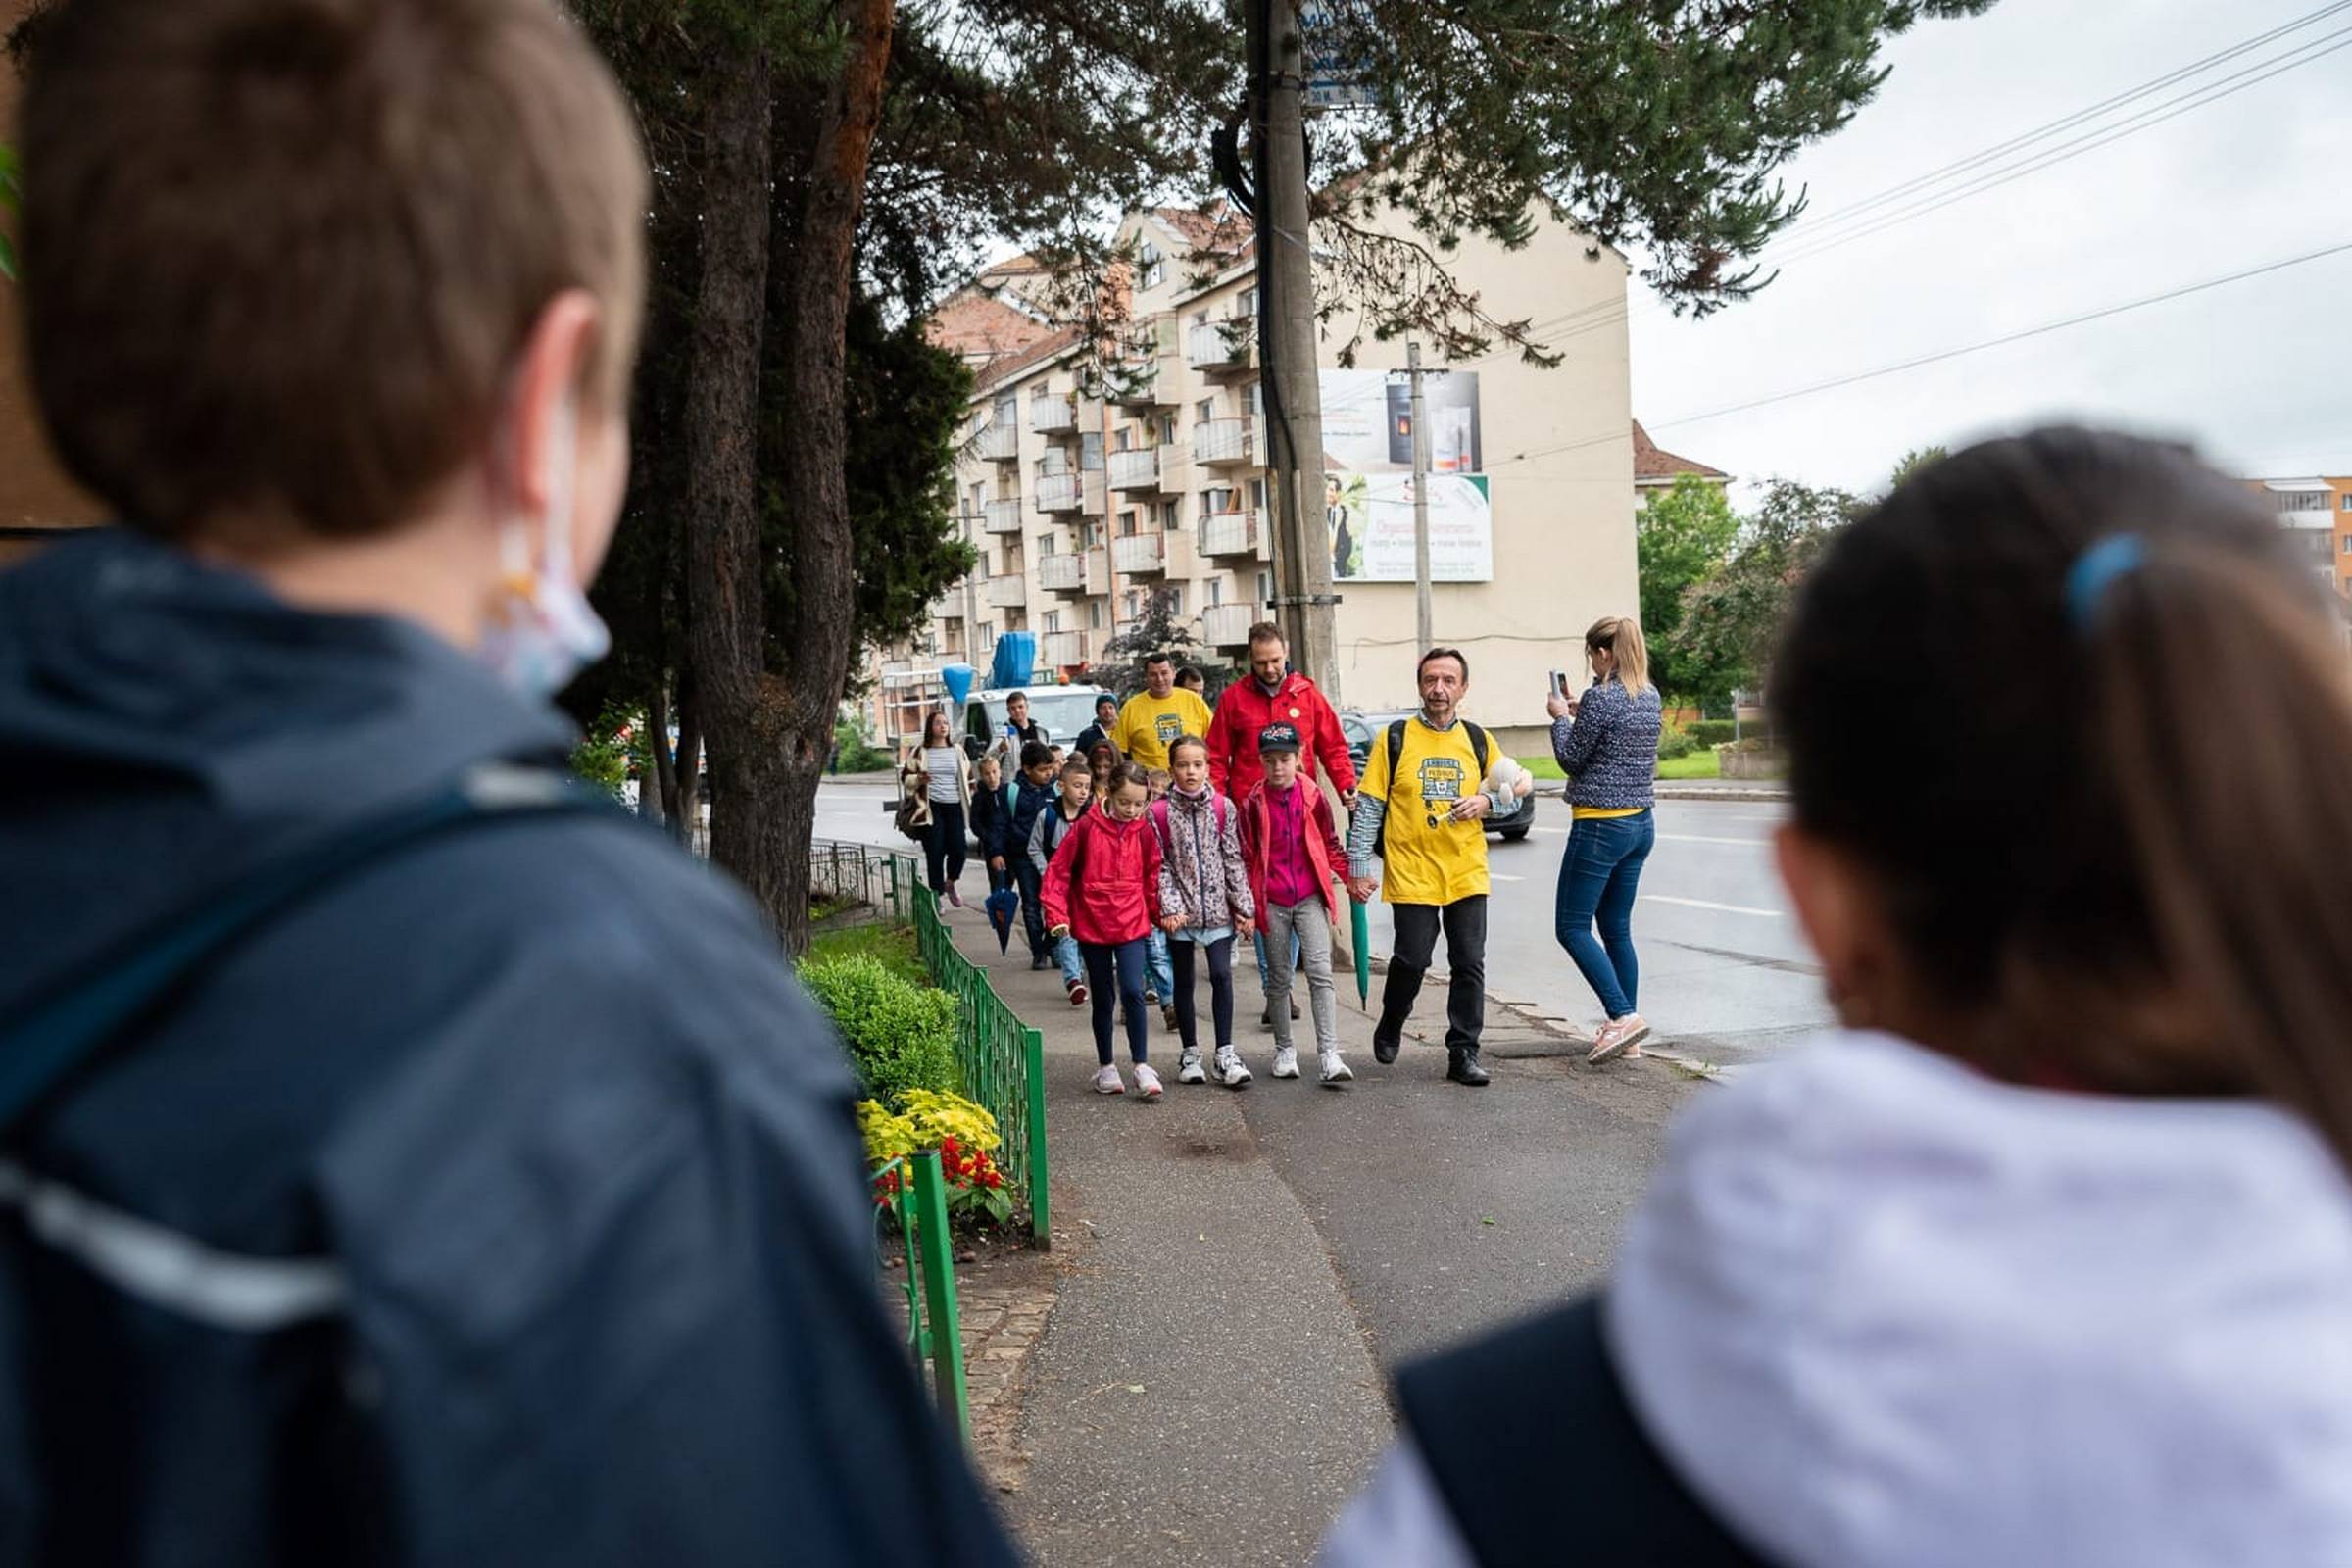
(901, 1035)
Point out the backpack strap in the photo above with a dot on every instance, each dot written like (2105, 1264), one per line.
(1396, 755)
(1478, 745)
(68, 1026)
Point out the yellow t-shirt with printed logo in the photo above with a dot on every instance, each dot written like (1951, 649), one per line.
(1149, 725)
(1431, 859)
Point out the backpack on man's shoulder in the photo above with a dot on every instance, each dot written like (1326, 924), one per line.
(1478, 745)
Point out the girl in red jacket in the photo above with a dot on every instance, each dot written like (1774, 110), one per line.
(1102, 887)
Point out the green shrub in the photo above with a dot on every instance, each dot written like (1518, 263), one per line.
(901, 1035)
(857, 755)
(1673, 743)
(1712, 731)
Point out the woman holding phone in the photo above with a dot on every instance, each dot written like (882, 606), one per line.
(1606, 740)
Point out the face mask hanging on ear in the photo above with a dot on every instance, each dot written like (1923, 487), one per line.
(542, 630)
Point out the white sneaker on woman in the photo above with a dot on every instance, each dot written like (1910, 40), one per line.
(1108, 1082)
(1616, 1037)
(1146, 1082)
(1286, 1063)
(1232, 1071)
(1335, 1071)
(1189, 1069)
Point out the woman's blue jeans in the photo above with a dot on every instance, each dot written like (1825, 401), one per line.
(1600, 876)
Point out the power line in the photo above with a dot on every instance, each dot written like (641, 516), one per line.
(2065, 152)
(1951, 354)
(2063, 122)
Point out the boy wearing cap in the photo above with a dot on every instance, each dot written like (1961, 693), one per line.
(1295, 864)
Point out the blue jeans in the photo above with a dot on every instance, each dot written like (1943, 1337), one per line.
(1599, 878)
(1163, 967)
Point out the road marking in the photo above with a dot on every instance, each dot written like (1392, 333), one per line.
(1702, 904)
(1701, 838)
(1503, 876)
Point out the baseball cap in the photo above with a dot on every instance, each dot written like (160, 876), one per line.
(1278, 738)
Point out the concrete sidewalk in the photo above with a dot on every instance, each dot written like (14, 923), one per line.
(1204, 1392)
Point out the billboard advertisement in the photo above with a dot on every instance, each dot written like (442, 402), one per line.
(1368, 483)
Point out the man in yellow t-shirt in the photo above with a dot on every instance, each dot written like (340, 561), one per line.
(1434, 808)
(1157, 717)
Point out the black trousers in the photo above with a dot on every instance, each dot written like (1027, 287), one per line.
(943, 844)
(1465, 924)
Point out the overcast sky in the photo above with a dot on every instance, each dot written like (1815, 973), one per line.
(2258, 373)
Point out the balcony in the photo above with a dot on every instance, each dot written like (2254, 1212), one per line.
(1053, 415)
(1223, 348)
(1070, 492)
(1140, 554)
(949, 606)
(1233, 536)
(1001, 442)
(1136, 468)
(1063, 649)
(1137, 383)
(1003, 515)
(1228, 625)
(1230, 443)
(1062, 574)
(1007, 591)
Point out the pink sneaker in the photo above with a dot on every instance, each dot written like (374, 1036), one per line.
(1616, 1037)
(1146, 1082)
(955, 897)
(1108, 1082)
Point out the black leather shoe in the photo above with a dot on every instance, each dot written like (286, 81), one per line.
(1385, 1044)
(1462, 1067)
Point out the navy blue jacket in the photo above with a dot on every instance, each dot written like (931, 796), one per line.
(1028, 801)
(544, 1090)
(1610, 749)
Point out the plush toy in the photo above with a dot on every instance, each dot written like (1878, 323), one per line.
(1503, 781)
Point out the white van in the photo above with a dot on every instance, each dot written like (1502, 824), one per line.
(1062, 711)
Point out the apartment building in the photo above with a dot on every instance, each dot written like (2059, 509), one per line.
(2317, 514)
(1085, 493)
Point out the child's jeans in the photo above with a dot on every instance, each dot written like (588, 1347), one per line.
(1308, 924)
(1121, 965)
(1162, 969)
(1033, 908)
(1065, 953)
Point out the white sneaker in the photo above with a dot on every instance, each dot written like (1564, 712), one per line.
(1616, 1037)
(1335, 1071)
(1286, 1063)
(1108, 1082)
(1146, 1082)
(1232, 1071)
(1188, 1069)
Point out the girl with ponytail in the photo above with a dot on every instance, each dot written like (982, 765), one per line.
(2046, 1257)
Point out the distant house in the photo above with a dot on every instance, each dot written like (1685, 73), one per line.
(1656, 468)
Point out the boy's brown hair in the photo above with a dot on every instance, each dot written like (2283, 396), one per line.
(280, 255)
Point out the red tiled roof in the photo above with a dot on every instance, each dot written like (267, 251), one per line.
(1654, 465)
(971, 323)
(1007, 366)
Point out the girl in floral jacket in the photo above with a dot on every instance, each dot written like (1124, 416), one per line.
(1204, 899)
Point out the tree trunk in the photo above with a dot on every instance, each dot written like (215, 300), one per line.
(803, 705)
(727, 620)
(686, 816)
(657, 785)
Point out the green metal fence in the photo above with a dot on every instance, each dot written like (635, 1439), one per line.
(917, 1194)
(1001, 1059)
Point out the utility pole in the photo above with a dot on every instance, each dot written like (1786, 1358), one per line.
(1287, 342)
(1420, 416)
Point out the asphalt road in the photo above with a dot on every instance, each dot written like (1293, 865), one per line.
(1726, 975)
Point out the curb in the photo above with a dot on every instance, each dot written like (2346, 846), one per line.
(1747, 794)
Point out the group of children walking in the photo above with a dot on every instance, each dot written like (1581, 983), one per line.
(1133, 882)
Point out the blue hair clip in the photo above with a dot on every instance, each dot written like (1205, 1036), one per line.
(2087, 579)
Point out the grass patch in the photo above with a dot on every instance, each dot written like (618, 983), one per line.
(889, 945)
(1699, 765)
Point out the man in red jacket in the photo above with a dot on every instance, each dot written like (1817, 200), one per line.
(1272, 693)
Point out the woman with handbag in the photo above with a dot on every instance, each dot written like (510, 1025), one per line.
(935, 780)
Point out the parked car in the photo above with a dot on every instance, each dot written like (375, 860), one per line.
(1365, 729)
(1061, 710)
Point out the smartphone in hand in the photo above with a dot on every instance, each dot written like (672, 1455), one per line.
(1559, 683)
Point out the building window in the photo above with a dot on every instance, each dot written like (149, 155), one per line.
(1248, 303)
(1176, 598)
(1167, 429)
(1171, 516)
(1090, 536)
(2348, 501)
(1216, 592)
(1155, 275)
(1265, 587)
(1257, 495)
(1119, 439)
(1093, 614)
(1126, 524)
(1134, 602)
(1053, 621)
(1090, 451)
(1205, 409)
(2347, 546)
